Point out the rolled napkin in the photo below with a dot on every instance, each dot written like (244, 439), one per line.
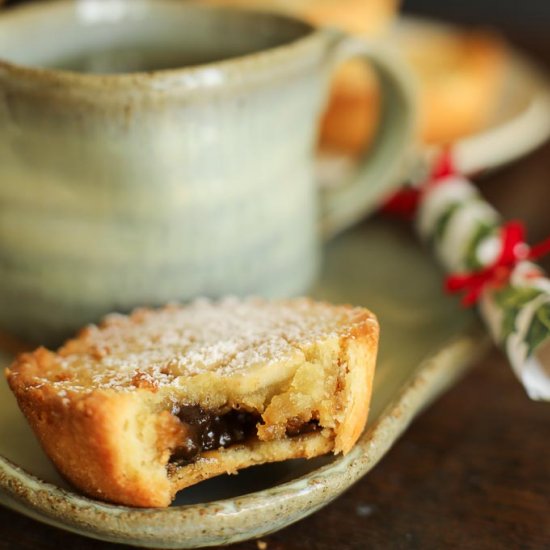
(491, 264)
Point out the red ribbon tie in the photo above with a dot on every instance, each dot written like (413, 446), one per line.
(405, 202)
(514, 250)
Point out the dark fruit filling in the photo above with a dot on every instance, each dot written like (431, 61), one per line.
(208, 430)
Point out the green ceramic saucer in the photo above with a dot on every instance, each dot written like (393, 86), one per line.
(427, 343)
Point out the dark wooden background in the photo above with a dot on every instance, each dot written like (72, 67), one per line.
(473, 472)
(528, 15)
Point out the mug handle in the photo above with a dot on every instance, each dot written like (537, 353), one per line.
(382, 168)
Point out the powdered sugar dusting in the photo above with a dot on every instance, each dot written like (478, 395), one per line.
(153, 348)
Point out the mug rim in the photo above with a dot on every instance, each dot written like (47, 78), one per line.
(196, 76)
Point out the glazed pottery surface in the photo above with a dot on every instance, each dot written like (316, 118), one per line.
(176, 162)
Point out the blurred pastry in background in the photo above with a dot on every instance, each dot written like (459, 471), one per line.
(459, 73)
(352, 117)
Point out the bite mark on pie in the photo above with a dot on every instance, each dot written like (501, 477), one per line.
(142, 406)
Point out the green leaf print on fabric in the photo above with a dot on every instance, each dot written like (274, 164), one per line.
(484, 231)
(443, 221)
(511, 299)
(539, 330)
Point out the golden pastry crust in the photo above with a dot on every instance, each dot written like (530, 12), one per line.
(105, 406)
(349, 124)
(460, 75)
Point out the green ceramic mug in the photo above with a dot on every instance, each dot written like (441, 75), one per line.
(153, 151)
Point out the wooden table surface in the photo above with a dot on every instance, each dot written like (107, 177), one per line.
(473, 472)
